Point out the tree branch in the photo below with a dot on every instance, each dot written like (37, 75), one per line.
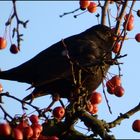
(104, 12)
(97, 126)
(124, 116)
(122, 13)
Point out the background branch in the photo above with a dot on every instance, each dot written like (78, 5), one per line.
(124, 116)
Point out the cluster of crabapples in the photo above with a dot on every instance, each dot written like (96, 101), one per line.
(89, 5)
(128, 25)
(128, 22)
(24, 130)
(114, 86)
(92, 104)
(3, 44)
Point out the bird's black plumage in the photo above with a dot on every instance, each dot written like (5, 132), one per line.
(49, 72)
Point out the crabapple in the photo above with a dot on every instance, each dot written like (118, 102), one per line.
(92, 8)
(137, 37)
(59, 112)
(3, 43)
(119, 91)
(5, 129)
(116, 80)
(14, 49)
(95, 98)
(84, 4)
(33, 118)
(136, 125)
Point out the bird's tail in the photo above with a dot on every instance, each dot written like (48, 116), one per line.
(5, 75)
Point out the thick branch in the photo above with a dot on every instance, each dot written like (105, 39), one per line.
(96, 125)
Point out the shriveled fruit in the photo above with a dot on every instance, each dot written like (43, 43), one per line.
(3, 43)
(14, 49)
(136, 125)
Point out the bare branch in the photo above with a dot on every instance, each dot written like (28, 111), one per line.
(18, 23)
(122, 13)
(5, 113)
(15, 98)
(124, 116)
(104, 12)
(95, 124)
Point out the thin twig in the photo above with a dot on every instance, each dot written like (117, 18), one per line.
(106, 99)
(21, 101)
(5, 113)
(19, 22)
(71, 12)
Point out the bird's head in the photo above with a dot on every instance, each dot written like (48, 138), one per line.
(103, 34)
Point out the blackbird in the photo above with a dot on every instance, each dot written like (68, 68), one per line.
(50, 72)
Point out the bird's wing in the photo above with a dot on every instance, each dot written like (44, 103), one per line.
(52, 63)
(48, 65)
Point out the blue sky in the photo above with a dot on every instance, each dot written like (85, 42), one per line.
(45, 28)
